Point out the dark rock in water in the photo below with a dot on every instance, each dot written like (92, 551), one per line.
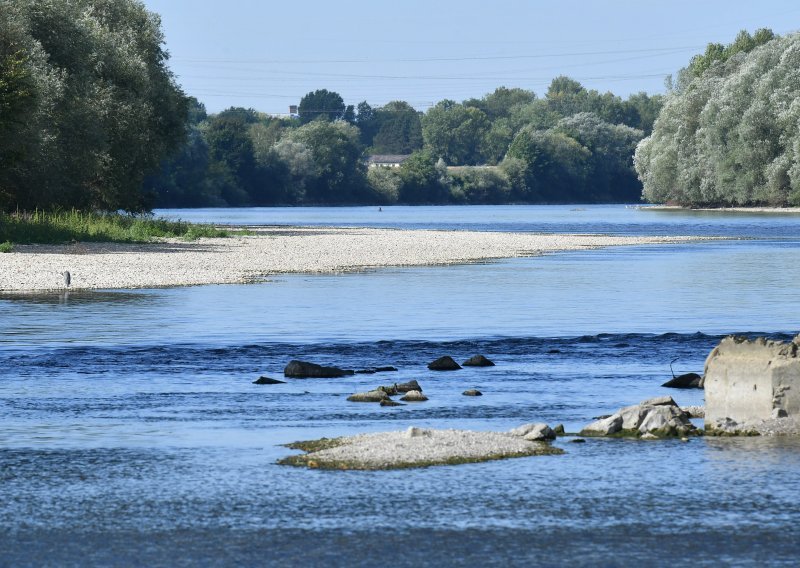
(304, 370)
(390, 402)
(375, 370)
(685, 381)
(412, 385)
(268, 381)
(559, 430)
(445, 363)
(478, 361)
(472, 392)
(554, 351)
(578, 441)
(621, 345)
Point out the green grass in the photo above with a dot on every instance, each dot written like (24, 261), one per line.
(55, 227)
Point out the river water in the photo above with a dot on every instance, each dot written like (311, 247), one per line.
(131, 432)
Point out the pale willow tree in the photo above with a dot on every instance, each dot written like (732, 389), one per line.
(730, 136)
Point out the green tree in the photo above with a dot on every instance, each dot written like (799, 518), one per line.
(321, 104)
(421, 181)
(455, 132)
(399, 131)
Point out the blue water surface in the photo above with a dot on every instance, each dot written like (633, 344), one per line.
(131, 432)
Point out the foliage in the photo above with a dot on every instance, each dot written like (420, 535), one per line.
(455, 132)
(88, 104)
(422, 179)
(730, 136)
(321, 104)
(482, 184)
(6, 246)
(65, 226)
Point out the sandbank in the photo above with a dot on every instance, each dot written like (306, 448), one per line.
(274, 250)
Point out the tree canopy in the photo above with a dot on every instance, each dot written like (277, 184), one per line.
(88, 106)
(729, 133)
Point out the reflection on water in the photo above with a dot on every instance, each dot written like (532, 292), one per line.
(74, 297)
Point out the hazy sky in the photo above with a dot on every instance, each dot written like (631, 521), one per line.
(268, 54)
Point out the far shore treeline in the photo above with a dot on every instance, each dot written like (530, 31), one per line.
(92, 118)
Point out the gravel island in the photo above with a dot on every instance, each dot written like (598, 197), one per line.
(274, 250)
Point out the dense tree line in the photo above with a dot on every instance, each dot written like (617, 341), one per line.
(573, 144)
(88, 106)
(729, 132)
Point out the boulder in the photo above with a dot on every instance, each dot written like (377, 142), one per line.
(305, 370)
(665, 400)
(694, 411)
(578, 441)
(685, 381)
(268, 381)
(445, 363)
(604, 426)
(390, 402)
(414, 396)
(478, 361)
(391, 390)
(559, 430)
(534, 432)
(472, 392)
(371, 396)
(411, 385)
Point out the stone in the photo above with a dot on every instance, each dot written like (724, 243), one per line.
(472, 392)
(391, 390)
(604, 426)
(665, 400)
(747, 380)
(390, 402)
(268, 381)
(649, 436)
(540, 433)
(694, 411)
(445, 363)
(414, 396)
(374, 370)
(559, 430)
(578, 441)
(632, 416)
(305, 370)
(534, 432)
(779, 413)
(685, 381)
(371, 396)
(412, 385)
(478, 361)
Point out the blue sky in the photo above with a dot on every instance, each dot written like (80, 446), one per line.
(267, 54)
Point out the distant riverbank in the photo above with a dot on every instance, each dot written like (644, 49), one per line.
(787, 210)
(274, 250)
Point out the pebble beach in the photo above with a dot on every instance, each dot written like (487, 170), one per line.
(274, 250)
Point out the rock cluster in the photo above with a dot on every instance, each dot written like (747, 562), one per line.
(656, 418)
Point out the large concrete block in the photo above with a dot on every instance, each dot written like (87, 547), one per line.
(746, 380)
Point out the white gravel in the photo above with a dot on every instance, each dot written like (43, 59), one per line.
(419, 446)
(271, 251)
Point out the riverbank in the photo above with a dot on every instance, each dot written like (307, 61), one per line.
(274, 250)
(778, 210)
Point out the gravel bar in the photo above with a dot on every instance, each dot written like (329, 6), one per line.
(273, 250)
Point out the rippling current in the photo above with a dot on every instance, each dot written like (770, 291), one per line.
(131, 432)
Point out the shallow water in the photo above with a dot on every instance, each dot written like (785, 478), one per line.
(131, 432)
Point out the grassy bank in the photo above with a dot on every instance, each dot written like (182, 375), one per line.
(64, 226)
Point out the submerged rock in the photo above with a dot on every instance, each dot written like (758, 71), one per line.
(685, 381)
(445, 363)
(472, 392)
(268, 381)
(371, 396)
(478, 361)
(390, 402)
(659, 417)
(306, 370)
(414, 396)
(374, 370)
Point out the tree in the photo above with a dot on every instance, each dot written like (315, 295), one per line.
(321, 105)
(103, 110)
(399, 131)
(455, 132)
(340, 172)
(421, 180)
(729, 135)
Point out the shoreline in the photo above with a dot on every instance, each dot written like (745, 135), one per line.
(768, 210)
(276, 250)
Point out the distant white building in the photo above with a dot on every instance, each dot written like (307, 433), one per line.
(386, 160)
